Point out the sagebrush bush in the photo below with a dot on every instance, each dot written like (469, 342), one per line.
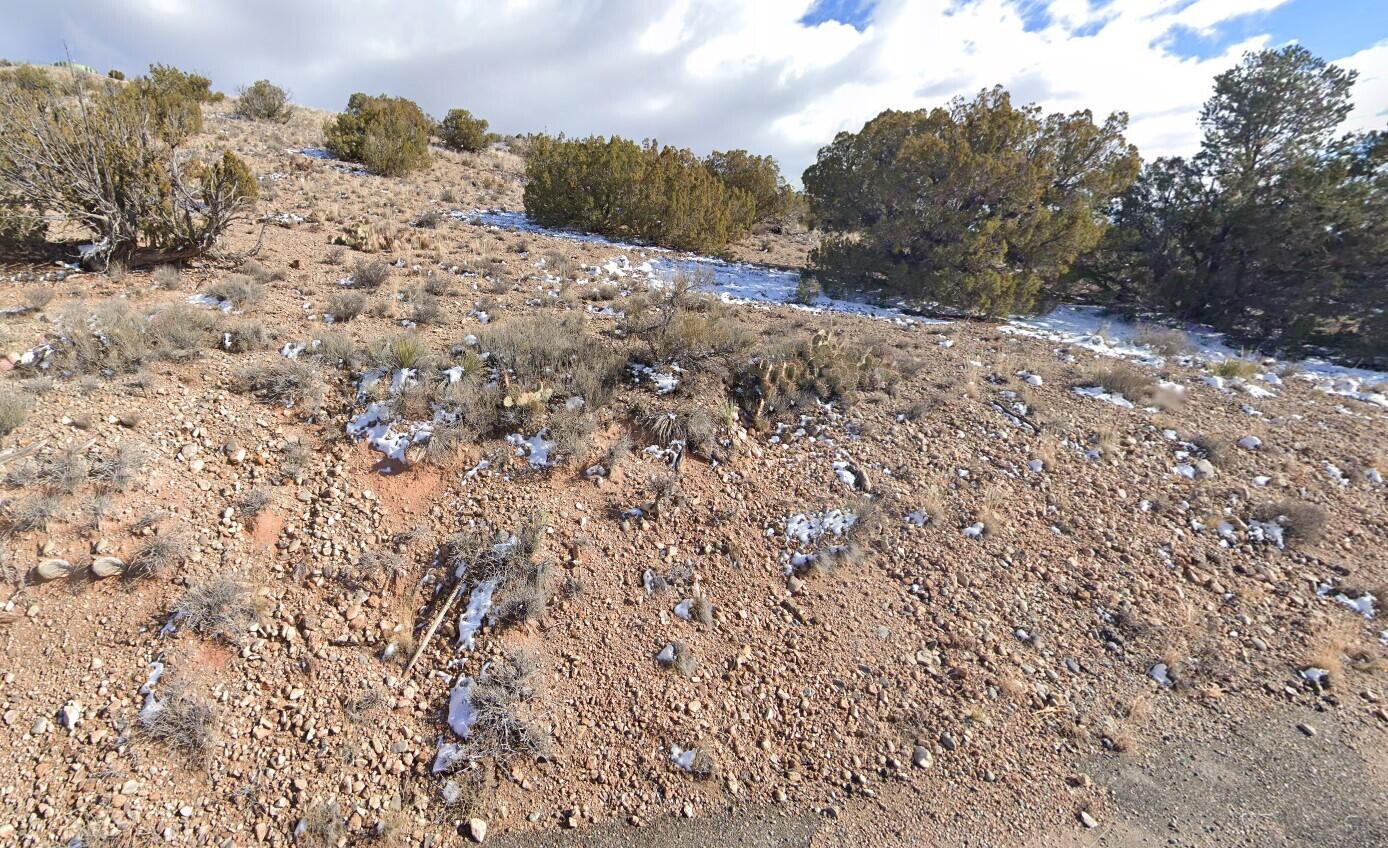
(13, 410)
(459, 130)
(614, 186)
(264, 101)
(110, 163)
(389, 135)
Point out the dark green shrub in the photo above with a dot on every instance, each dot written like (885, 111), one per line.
(115, 74)
(459, 130)
(264, 101)
(389, 135)
(980, 206)
(759, 176)
(662, 195)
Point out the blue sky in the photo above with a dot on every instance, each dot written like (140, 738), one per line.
(772, 76)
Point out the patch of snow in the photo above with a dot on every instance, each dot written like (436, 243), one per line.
(1250, 443)
(974, 531)
(536, 448)
(918, 518)
(807, 528)
(1159, 673)
(1098, 393)
(210, 301)
(478, 605)
(683, 608)
(462, 713)
(384, 436)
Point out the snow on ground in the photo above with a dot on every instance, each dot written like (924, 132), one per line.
(1086, 327)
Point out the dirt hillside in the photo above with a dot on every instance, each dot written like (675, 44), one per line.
(803, 577)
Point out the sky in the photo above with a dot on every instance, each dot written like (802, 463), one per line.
(772, 76)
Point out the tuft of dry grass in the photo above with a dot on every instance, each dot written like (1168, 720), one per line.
(239, 290)
(345, 306)
(183, 722)
(370, 273)
(1120, 378)
(159, 555)
(1300, 520)
(222, 607)
(119, 470)
(1237, 367)
(14, 410)
(290, 382)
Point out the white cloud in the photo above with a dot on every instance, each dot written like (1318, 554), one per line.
(699, 73)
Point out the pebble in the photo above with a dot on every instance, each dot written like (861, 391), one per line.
(1307, 729)
(1087, 820)
(922, 758)
(477, 830)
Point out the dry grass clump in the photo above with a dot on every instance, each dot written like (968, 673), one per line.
(253, 503)
(523, 579)
(222, 607)
(108, 338)
(498, 694)
(1215, 448)
(64, 471)
(36, 298)
(692, 423)
(167, 277)
(1230, 368)
(370, 273)
(286, 381)
(244, 337)
(1120, 378)
(183, 722)
(32, 513)
(404, 351)
(119, 470)
(1167, 341)
(424, 307)
(324, 825)
(180, 331)
(345, 306)
(14, 409)
(159, 555)
(679, 326)
(239, 290)
(1301, 521)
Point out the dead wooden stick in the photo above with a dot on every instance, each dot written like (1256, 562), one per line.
(433, 626)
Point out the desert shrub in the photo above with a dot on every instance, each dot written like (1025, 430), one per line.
(13, 410)
(758, 176)
(64, 471)
(244, 337)
(680, 327)
(1168, 341)
(111, 337)
(370, 274)
(110, 163)
(389, 135)
(264, 101)
(180, 331)
(459, 130)
(167, 277)
(116, 74)
(345, 306)
(222, 607)
(498, 694)
(663, 195)
(980, 206)
(28, 78)
(21, 226)
(119, 470)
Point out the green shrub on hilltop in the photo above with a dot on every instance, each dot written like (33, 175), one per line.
(264, 101)
(662, 195)
(459, 130)
(389, 135)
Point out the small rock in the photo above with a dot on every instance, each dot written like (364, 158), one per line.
(1087, 820)
(1307, 729)
(922, 758)
(477, 830)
